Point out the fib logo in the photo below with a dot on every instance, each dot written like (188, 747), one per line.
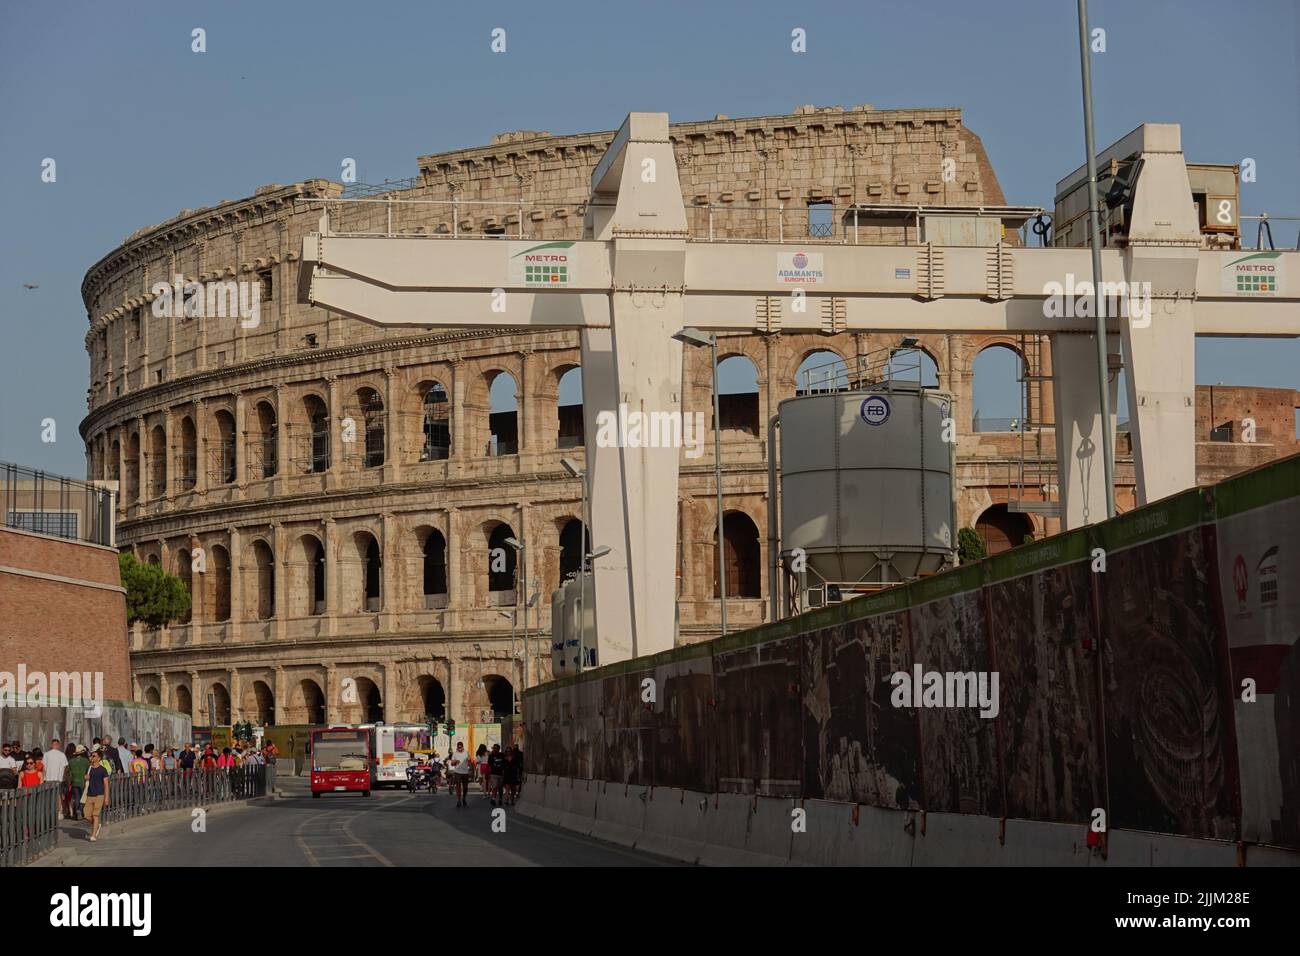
(875, 410)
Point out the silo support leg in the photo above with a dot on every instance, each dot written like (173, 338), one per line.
(1080, 471)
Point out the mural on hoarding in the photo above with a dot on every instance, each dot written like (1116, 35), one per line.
(682, 716)
(143, 723)
(758, 737)
(628, 731)
(1047, 676)
(857, 746)
(1166, 710)
(1259, 581)
(959, 764)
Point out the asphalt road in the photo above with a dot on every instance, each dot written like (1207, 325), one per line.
(390, 828)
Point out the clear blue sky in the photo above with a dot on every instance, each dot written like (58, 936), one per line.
(141, 127)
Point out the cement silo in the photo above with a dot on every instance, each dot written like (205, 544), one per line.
(867, 489)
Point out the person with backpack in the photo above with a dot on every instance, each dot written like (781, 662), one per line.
(78, 767)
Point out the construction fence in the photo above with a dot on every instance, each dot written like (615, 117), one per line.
(1145, 667)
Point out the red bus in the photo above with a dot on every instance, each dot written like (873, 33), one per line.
(340, 761)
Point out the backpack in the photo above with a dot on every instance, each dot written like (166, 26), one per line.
(8, 779)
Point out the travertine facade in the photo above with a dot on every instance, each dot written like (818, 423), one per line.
(339, 480)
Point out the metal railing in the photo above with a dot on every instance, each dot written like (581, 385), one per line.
(900, 365)
(133, 795)
(54, 505)
(29, 822)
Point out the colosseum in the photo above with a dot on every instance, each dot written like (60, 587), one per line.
(334, 493)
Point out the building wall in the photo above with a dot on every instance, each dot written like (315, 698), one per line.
(64, 609)
(151, 374)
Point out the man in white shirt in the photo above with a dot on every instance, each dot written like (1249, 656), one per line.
(459, 765)
(56, 762)
(7, 762)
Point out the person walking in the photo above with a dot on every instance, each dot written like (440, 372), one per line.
(496, 767)
(514, 768)
(56, 771)
(78, 767)
(459, 768)
(481, 762)
(124, 755)
(97, 791)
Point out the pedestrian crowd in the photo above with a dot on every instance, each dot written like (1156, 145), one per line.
(500, 773)
(86, 772)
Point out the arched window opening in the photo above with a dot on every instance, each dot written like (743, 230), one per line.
(182, 700)
(133, 467)
(571, 549)
(1002, 529)
(738, 396)
(997, 390)
(913, 366)
(187, 463)
(743, 559)
(183, 572)
(435, 569)
(433, 698)
(220, 704)
(501, 566)
(374, 577)
(500, 697)
(437, 425)
(264, 582)
(821, 371)
(569, 409)
(264, 454)
(503, 416)
(151, 696)
(318, 434)
(115, 462)
(157, 462)
(219, 583)
(372, 416)
(313, 702)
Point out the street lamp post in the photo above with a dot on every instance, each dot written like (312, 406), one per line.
(587, 558)
(698, 339)
(514, 619)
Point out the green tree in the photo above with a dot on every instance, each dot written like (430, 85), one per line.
(970, 546)
(152, 595)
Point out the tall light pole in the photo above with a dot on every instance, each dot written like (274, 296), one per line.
(513, 617)
(531, 601)
(1103, 370)
(698, 339)
(521, 561)
(582, 605)
(574, 471)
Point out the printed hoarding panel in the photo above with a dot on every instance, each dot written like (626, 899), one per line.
(857, 747)
(1259, 582)
(629, 733)
(959, 764)
(758, 741)
(1047, 684)
(682, 724)
(1167, 754)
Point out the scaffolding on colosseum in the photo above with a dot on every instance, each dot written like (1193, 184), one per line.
(309, 446)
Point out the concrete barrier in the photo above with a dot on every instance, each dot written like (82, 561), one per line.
(956, 839)
(620, 813)
(575, 804)
(742, 830)
(1038, 843)
(675, 824)
(1136, 848)
(832, 838)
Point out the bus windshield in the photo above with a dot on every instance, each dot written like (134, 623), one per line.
(336, 754)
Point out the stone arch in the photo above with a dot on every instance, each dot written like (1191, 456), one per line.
(503, 414)
(221, 703)
(308, 703)
(498, 696)
(905, 365)
(432, 567)
(187, 464)
(569, 406)
(258, 704)
(435, 418)
(314, 451)
(151, 695)
(115, 461)
(308, 577)
(217, 585)
(744, 557)
(261, 607)
(133, 467)
(997, 387)
(183, 570)
(222, 451)
(157, 462)
(432, 697)
(738, 400)
(371, 423)
(1002, 529)
(501, 564)
(262, 450)
(182, 699)
(571, 543)
(369, 704)
(819, 369)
